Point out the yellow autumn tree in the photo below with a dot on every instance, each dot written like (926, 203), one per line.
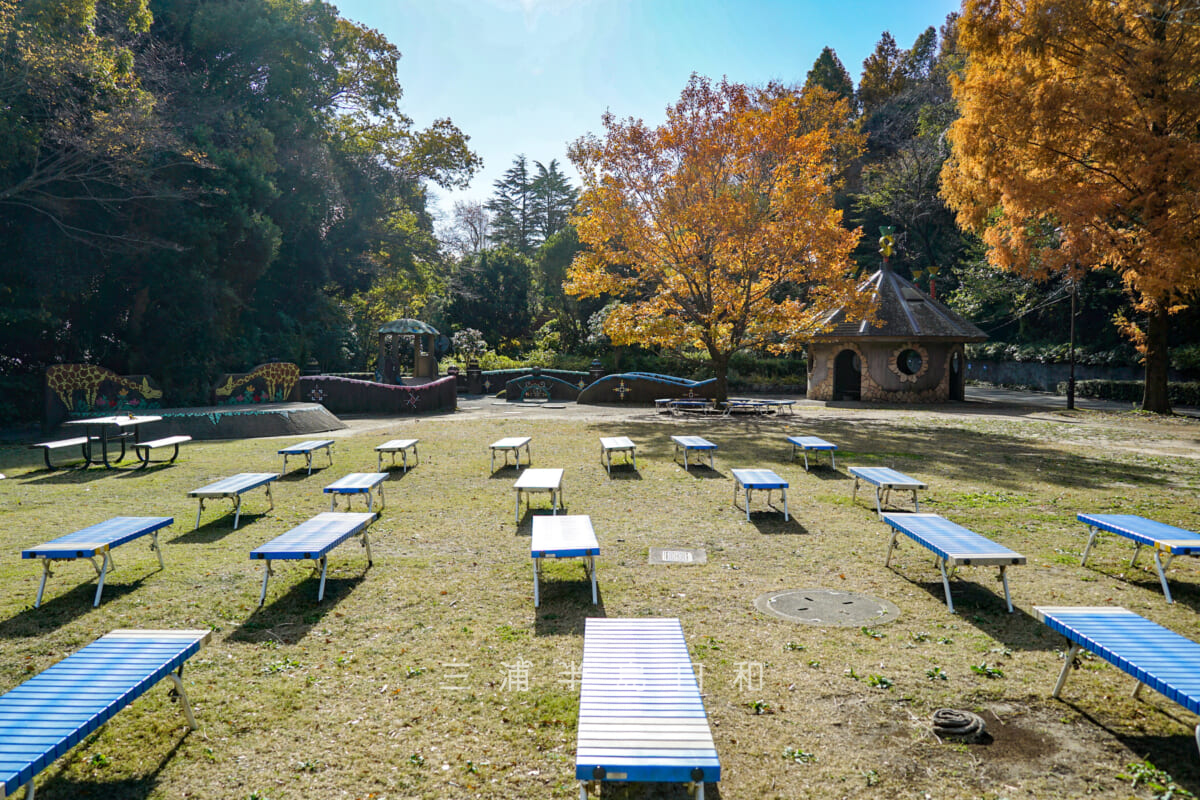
(1079, 148)
(716, 230)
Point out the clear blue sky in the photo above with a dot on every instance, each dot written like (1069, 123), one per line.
(530, 76)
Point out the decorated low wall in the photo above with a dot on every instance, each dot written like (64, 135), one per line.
(539, 387)
(349, 396)
(266, 383)
(90, 389)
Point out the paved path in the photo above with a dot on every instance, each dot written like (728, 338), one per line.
(1046, 400)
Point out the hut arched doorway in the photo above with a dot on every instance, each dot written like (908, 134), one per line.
(957, 378)
(847, 376)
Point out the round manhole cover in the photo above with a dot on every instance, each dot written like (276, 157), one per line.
(827, 607)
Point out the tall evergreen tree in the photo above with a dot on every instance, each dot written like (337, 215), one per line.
(882, 75)
(513, 208)
(829, 73)
(554, 199)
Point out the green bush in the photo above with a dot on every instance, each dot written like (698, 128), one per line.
(1181, 394)
(1121, 356)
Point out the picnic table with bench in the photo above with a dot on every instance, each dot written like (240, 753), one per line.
(47, 715)
(617, 444)
(232, 489)
(1153, 655)
(674, 405)
(805, 444)
(699, 443)
(98, 429)
(307, 449)
(748, 480)
(1162, 537)
(356, 483)
(95, 540)
(641, 716)
(313, 539)
(401, 446)
(885, 479)
(511, 444)
(569, 536)
(953, 546)
(539, 480)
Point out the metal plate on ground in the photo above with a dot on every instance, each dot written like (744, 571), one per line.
(662, 555)
(827, 607)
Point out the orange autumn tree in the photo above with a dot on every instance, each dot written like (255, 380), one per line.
(1079, 148)
(716, 230)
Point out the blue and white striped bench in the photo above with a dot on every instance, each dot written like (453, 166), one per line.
(954, 546)
(1155, 656)
(686, 443)
(815, 443)
(50, 713)
(95, 540)
(314, 539)
(1162, 537)
(232, 488)
(307, 449)
(641, 717)
(885, 479)
(356, 483)
(762, 479)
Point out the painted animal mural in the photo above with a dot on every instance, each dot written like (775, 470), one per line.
(266, 383)
(66, 381)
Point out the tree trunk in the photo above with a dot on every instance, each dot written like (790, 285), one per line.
(1157, 358)
(721, 372)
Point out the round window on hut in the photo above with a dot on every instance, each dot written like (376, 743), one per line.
(909, 362)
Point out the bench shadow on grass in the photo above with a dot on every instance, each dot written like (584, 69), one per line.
(216, 529)
(59, 610)
(525, 526)
(1185, 591)
(1176, 754)
(292, 615)
(702, 471)
(58, 786)
(657, 791)
(566, 604)
(979, 601)
(67, 475)
(770, 522)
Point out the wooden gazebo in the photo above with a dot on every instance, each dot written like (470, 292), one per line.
(424, 360)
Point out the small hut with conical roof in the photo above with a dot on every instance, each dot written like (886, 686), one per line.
(424, 358)
(912, 353)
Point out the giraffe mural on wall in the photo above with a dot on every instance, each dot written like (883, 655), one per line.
(66, 379)
(278, 378)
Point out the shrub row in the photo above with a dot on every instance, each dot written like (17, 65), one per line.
(1181, 394)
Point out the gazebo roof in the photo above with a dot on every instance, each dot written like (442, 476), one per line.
(408, 326)
(902, 313)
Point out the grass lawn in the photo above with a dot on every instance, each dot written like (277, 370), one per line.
(430, 675)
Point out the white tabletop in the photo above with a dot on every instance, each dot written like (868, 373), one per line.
(121, 420)
(397, 444)
(694, 442)
(511, 443)
(562, 537)
(544, 479)
(616, 443)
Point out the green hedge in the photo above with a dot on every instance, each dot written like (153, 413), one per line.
(1121, 356)
(1181, 394)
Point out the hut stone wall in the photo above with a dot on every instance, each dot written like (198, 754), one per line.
(889, 374)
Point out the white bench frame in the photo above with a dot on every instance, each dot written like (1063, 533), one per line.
(142, 449)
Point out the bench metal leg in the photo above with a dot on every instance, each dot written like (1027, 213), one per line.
(366, 542)
(591, 568)
(183, 699)
(916, 502)
(266, 577)
(946, 586)
(805, 452)
(308, 462)
(1088, 549)
(1198, 737)
(103, 573)
(786, 517)
(333, 502)
(199, 511)
(381, 501)
(270, 499)
(1068, 660)
(42, 586)
(537, 576)
(157, 549)
(887, 562)
(1162, 574)
(237, 512)
(324, 561)
(284, 470)
(833, 459)
(854, 493)
(517, 510)
(878, 508)
(1004, 580)
(1137, 549)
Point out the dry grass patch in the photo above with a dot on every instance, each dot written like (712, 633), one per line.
(430, 676)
